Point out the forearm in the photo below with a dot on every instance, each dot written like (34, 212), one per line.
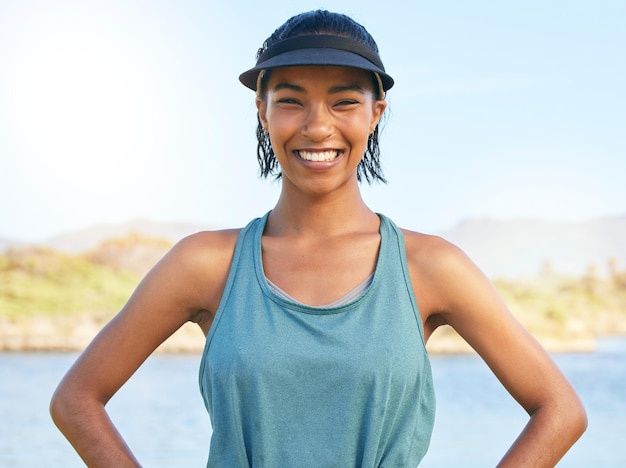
(546, 438)
(91, 432)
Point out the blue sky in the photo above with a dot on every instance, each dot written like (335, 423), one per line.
(122, 109)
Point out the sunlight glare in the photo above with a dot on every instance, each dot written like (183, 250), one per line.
(82, 104)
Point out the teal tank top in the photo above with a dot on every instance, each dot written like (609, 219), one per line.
(290, 385)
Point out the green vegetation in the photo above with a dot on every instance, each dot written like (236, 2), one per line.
(563, 313)
(564, 307)
(41, 282)
(51, 300)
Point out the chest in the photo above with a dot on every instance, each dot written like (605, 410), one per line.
(318, 273)
(277, 377)
(291, 352)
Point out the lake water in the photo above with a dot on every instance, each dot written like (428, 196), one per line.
(161, 414)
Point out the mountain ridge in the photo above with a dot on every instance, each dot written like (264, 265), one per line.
(501, 248)
(528, 247)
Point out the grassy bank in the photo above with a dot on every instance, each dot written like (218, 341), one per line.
(55, 301)
(563, 313)
(43, 283)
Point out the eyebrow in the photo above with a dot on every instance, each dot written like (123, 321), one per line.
(332, 90)
(290, 86)
(352, 87)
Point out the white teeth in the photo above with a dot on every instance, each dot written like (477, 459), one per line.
(318, 156)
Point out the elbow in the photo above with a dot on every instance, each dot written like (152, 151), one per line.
(64, 406)
(572, 419)
(579, 420)
(71, 406)
(59, 407)
(576, 415)
(565, 416)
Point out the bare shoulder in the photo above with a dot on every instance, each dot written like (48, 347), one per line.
(203, 253)
(434, 257)
(206, 249)
(419, 244)
(441, 274)
(451, 289)
(193, 273)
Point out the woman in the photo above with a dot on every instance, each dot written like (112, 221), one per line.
(317, 314)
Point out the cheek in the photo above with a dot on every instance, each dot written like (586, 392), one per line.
(280, 121)
(281, 130)
(359, 128)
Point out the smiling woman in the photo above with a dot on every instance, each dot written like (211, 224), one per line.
(317, 314)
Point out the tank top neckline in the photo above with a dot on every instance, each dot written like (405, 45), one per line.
(348, 297)
(305, 308)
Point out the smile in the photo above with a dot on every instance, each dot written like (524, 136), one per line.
(316, 156)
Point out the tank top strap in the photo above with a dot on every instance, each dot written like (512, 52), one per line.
(240, 261)
(394, 266)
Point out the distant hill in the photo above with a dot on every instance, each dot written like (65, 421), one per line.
(524, 248)
(6, 243)
(132, 253)
(82, 240)
(502, 249)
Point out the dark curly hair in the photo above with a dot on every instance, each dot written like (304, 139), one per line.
(320, 22)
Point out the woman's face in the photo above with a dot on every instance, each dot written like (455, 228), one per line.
(319, 120)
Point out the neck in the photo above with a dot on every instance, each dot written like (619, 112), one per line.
(337, 213)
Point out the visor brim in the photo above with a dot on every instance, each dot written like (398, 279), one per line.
(314, 57)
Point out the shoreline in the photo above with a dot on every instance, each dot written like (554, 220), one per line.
(73, 334)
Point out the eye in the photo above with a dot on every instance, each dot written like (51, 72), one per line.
(288, 101)
(346, 104)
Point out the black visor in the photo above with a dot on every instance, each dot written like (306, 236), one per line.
(317, 50)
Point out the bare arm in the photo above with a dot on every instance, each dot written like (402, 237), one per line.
(461, 296)
(186, 285)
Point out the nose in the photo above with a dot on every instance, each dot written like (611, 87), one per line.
(318, 124)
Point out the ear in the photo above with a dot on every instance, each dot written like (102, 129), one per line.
(379, 107)
(261, 105)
